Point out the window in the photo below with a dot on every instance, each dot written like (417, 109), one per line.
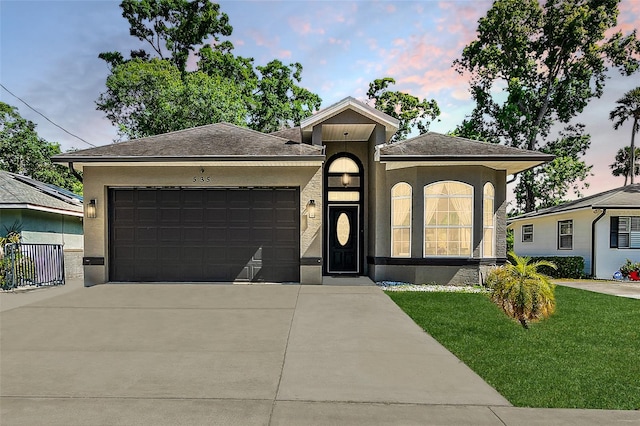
(448, 219)
(489, 221)
(401, 220)
(565, 235)
(527, 233)
(625, 232)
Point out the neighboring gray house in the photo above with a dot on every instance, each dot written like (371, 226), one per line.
(46, 214)
(331, 197)
(603, 228)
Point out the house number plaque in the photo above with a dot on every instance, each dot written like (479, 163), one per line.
(202, 179)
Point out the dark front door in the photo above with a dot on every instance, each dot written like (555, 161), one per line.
(342, 241)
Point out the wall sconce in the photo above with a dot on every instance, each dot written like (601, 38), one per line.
(311, 208)
(91, 208)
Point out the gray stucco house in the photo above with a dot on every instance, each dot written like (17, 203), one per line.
(46, 214)
(330, 197)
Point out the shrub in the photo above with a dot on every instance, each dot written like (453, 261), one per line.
(566, 266)
(521, 291)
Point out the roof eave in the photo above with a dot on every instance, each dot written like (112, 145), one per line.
(514, 164)
(61, 159)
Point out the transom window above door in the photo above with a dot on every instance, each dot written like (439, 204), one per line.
(344, 180)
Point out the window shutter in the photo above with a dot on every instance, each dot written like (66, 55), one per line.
(613, 232)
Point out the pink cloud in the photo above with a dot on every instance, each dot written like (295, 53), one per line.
(399, 42)
(303, 27)
(284, 54)
(390, 8)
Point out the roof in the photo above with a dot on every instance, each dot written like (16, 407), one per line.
(22, 192)
(349, 103)
(438, 149)
(220, 142)
(626, 197)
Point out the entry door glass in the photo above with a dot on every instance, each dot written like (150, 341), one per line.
(343, 240)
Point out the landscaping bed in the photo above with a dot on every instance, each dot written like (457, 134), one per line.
(587, 355)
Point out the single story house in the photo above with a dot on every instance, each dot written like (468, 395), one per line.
(46, 214)
(603, 228)
(330, 197)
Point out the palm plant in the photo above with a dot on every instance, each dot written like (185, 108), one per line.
(628, 108)
(622, 163)
(521, 291)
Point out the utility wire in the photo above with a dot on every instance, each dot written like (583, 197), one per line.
(45, 117)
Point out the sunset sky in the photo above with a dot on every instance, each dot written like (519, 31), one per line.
(49, 58)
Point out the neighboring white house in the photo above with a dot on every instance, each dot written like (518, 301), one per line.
(603, 228)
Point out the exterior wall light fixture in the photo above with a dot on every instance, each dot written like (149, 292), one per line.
(91, 208)
(311, 208)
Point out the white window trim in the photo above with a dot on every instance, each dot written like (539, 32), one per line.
(523, 233)
(393, 227)
(564, 235)
(424, 222)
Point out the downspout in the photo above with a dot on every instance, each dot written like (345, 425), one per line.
(75, 172)
(593, 242)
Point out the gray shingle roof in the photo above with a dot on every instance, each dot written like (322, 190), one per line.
(436, 145)
(626, 197)
(214, 141)
(20, 191)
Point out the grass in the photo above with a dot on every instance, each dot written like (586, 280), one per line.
(587, 355)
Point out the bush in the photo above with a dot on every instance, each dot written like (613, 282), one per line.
(521, 291)
(630, 270)
(567, 266)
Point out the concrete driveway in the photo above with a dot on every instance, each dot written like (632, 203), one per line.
(154, 354)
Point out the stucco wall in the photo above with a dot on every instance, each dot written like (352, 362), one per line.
(545, 236)
(608, 260)
(418, 178)
(97, 180)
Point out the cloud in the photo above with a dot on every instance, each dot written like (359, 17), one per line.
(303, 27)
(285, 54)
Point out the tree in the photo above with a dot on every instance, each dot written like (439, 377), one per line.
(146, 98)
(521, 291)
(622, 163)
(534, 65)
(278, 102)
(408, 109)
(23, 152)
(155, 93)
(176, 26)
(628, 108)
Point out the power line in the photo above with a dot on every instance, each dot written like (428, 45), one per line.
(45, 117)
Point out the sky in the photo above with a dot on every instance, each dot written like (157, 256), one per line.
(49, 58)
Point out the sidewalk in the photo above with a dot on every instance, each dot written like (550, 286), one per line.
(616, 288)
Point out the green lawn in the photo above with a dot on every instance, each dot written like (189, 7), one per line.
(587, 355)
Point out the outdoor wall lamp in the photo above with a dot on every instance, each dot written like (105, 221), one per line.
(311, 208)
(91, 208)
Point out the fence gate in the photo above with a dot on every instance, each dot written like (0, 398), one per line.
(26, 264)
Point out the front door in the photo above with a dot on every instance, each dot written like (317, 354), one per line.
(342, 239)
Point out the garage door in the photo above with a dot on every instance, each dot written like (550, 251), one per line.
(204, 234)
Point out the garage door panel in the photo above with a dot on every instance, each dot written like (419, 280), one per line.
(204, 234)
(125, 214)
(195, 215)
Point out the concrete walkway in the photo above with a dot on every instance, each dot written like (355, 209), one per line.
(154, 354)
(628, 289)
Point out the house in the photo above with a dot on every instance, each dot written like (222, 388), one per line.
(330, 197)
(46, 214)
(603, 228)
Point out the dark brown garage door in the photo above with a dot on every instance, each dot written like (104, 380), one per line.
(204, 234)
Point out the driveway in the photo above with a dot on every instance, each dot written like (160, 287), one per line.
(628, 289)
(154, 354)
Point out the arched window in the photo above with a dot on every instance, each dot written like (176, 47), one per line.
(401, 220)
(488, 221)
(448, 219)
